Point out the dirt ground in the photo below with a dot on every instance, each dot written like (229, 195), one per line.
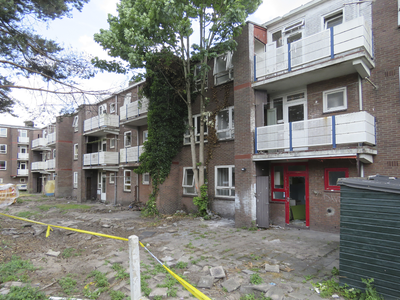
(198, 245)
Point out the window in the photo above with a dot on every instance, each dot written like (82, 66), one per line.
(112, 108)
(198, 78)
(103, 146)
(293, 27)
(277, 38)
(54, 153)
(331, 177)
(3, 149)
(23, 149)
(225, 181)
(75, 151)
(22, 133)
(335, 100)
(3, 132)
(1, 180)
(22, 180)
(127, 98)
(21, 165)
(333, 19)
(127, 180)
(102, 109)
(3, 165)
(294, 37)
(188, 182)
(196, 124)
(225, 124)
(127, 139)
(75, 180)
(145, 135)
(112, 177)
(223, 68)
(285, 108)
(112, 143)
(146, 178)
(75, 123)
(99, 180)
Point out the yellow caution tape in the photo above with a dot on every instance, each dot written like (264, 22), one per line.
(186, 285)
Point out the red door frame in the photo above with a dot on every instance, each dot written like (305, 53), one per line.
(286, 175)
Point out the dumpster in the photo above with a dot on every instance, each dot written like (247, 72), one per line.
(370, 233)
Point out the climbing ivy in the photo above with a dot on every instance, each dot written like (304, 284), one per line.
(202, 202)
(166, 121)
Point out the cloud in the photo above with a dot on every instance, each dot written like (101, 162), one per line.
(109, 6)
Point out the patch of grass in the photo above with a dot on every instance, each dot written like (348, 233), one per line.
(15, 270)
(69, 252)
(68, 284)
(117, 295)
(255, 279)
(24, 293)
(308, 278)
(121, 274)
(26, 214)
(181, 265)
(99, 278)
(255, 257)
(190, 246)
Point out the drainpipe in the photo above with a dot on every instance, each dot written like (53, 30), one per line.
(137, 176)
(360, 93)
(116, 173)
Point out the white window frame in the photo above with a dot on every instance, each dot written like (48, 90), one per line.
(293, 27)
(145, 135)
(75, 180)
(227, 70)
(21, 148)
(126, 134)
(99, 180)
(146, 178)
(102, 146)
(332, 16)
(54, 153)
(230, 187)
(75, 123)
(112, 143)
(5, 149)
(197, 79)
(22, 133)
(22, 180)
(112, 178)
(103, 109)
(1, 180)
(196, 120)
(3, 132)
(325, 95)
(127, 185)
(5, 165)
(186, 186)
(76, 151)
(288, 103)
(22, 165)
(127, 98)
(230, 131)
(112, 108)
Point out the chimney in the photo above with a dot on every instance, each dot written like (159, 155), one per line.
(29, 124)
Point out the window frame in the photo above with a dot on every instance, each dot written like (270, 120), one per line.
(146, 178)
(22, 133)
(197, 80)
(75, 123)
(186, 186)
(2, 130)
(231, 185)
(325, 95)
(231, 124)
(22, 180)
(102, 109)
(326, 178)
(112, 108)
(227, 71)
(112, 177)
(128, 186)
(75, 180)
(145, 136)
(76, 151)
(332, 16)
(127, 133)
(1, 165)
(5, 149)
(186, 135)
(112, 143)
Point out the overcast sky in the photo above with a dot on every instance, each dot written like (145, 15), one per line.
(77, 32)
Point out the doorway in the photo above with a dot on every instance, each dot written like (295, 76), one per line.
(103, 186)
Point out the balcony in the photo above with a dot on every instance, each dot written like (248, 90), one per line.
(50, 164)
(51, 138)
(23, 156)
(101, 125)
(23, 140)
(343, 129)
(130, 154)
(346, 48)
(135, 113)
(22, 172)
(38, 166)
(100, 159)
(40, 143)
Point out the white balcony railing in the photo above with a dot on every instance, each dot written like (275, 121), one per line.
(100, 158)
(51, 138)
(41, 142)
(334, 130)
(351, 35)
(23, 140)
(101, 122)
(134, 109)
(24, 156)
(38, 165)
(22, 172)
(130, 154)
(50, 164)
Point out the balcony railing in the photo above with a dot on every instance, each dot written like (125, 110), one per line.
(23, 140)
(40, 142)
(100, 158)
(22, 172)
(130, 154)
(51, 138)
(134, 109)
(50, 164)
(38, 165)
(24, 156)
(102, 121)
(345, 37)
(334, 130)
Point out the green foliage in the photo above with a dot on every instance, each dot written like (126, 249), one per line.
(335, 271)
(202, 201)
(26, 214)
(15, 270)
(69, 252)
(253, 297)
(181, 265)
(121, 274)
(99, 278)
(62, 207)
(24, 293)
(68, 284)
(255, 279)
(117, 295)
(370, 291)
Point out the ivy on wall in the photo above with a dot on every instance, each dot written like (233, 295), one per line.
(166, 122)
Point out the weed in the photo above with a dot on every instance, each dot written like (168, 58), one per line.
(68, 284)
(255, 257)
(370, 292)
(24, 293)
(335, 271)
(181, 265)
(99, 278)
(253, 226)
(26, 214)
(121, 274)
(195, 261)
(15, 270)
(157, 298)
(224, 289)
(117, 295)
(253, 297)
(227, 250)
(264, 238)
(66, 206)
(172, 292)
(69, 252)
(255, 279)
(190, 246)
(308, 278)
(169, 282)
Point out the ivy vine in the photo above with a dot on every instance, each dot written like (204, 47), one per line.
(166, 122)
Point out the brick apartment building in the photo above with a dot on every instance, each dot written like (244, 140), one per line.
(311, 96)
